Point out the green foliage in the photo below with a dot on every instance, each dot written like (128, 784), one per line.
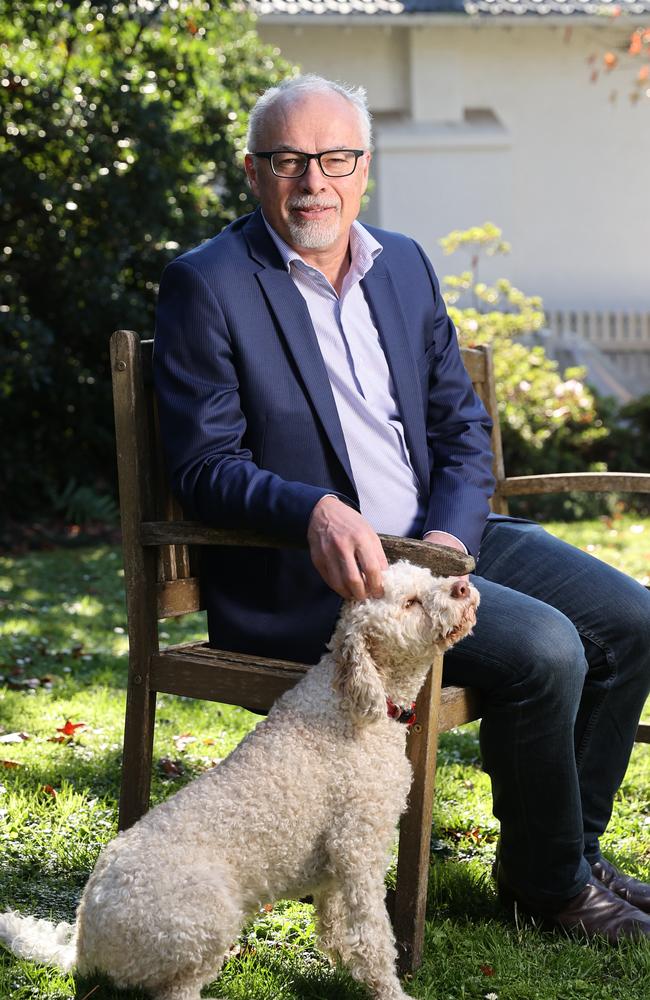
(121, 129)
(548, 423)
(81, 505)
(486, 237)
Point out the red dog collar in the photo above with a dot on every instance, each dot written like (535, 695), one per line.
(401, 713)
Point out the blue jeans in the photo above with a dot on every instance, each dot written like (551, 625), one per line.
(561, 653)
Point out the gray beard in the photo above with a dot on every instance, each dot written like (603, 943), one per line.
(313, 235)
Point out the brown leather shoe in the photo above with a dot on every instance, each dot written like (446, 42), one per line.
(632, 890)
(594, 912)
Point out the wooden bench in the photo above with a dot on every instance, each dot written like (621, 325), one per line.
(160, 549)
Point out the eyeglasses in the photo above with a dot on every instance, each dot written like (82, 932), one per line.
(293, 163)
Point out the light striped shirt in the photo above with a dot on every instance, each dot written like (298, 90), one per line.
(362, 386)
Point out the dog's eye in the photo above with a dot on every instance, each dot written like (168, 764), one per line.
(411, 601)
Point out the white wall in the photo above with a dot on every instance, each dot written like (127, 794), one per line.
(564, 171)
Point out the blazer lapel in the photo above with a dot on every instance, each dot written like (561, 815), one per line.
(294, 321)
(389, 320)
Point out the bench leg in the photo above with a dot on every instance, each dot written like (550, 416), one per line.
(415, 827)
(138, 749)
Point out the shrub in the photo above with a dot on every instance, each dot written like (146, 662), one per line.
(121, 126)
(549, 423)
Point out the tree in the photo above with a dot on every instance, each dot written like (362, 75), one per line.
(122, 124)
(630, 54)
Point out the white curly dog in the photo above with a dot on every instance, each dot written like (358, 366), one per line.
(306, 804)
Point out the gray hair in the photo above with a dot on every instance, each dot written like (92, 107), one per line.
(298, 86)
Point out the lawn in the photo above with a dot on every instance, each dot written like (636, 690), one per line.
(63, 661)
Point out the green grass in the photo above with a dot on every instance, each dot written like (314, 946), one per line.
(63, 650)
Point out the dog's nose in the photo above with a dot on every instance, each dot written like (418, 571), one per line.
(459, 589)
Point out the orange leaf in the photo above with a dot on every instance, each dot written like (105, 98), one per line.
(487, 970)
(610, 60)
(635, 44)
(49, 790)
(70, 728)
(10, 763)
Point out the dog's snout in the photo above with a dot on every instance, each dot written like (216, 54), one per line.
(459, 589)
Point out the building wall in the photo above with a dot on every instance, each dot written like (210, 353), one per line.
(502, 123)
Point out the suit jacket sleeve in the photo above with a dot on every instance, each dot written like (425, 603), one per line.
(458, 437)
(201, 419)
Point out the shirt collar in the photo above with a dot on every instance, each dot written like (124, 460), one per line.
(364, 249)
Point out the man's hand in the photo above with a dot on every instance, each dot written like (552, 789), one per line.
(444, 538)
(345, 550)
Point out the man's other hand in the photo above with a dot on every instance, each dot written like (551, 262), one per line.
(444, 538)
(345, 550)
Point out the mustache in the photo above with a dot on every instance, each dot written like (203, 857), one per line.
(308, 203)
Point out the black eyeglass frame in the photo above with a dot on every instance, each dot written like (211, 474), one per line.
(310, 156)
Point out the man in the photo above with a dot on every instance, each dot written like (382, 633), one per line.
(309, 384)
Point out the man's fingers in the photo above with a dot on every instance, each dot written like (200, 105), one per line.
(371, 568)
(346, 550)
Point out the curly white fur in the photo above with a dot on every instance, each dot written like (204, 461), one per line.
(306, 804)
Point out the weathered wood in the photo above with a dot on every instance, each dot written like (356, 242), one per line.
(410, 900)
(474, 359)
(136, 504)
(197, 671)
(440, 559)
(589, 482)
(458, 705)
(498, 504)
(179, 597)
(643, 733)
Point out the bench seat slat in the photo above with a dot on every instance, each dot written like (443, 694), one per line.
(198, 671)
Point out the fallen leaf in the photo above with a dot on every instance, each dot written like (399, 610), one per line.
(10, 763)
(172, 768)
(14, 737)
(49, 790)
(182, 742)
(487, 970)
(70, 728)
(59, 739)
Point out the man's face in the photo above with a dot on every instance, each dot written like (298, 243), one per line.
(313, 211)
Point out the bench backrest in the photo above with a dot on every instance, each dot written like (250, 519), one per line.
(144, 489)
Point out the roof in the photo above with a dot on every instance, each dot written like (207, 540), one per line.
(485, 8)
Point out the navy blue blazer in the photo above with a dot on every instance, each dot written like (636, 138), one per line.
(252, 436)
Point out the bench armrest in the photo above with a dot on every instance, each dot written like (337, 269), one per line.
(441, 560)
(589, 482)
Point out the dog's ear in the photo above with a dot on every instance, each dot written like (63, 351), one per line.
(356, 678)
